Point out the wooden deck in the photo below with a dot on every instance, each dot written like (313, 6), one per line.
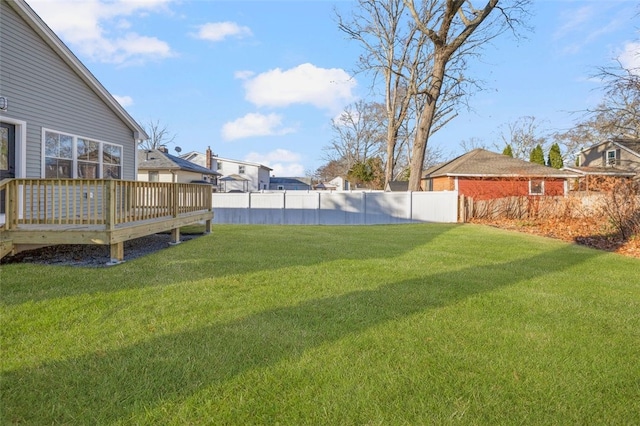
(43, 212)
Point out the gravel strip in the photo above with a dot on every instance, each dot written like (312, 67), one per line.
(93, 255)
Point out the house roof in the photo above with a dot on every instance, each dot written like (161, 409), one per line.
(155, 159)
(602, 171)
(61, 49)
(482, 163)
(233, 178)
(290, 180)
(241, 162)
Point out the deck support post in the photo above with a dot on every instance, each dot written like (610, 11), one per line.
(117, 253)
(207, 226)
(175, 236)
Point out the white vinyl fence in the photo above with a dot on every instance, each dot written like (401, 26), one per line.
(334, 208)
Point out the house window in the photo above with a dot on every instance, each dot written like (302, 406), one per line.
(219, 165)
(241, 169)
(611, 157)
(280, 187)
(88, 159)
(68, 156)
(112, 161)
(154, 176)
(536, 187)
(58, 152)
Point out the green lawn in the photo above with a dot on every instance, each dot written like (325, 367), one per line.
(405, 324)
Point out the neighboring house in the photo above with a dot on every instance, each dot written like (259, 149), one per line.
(235, 175)
(613, 158)
(57, 120)
(482, 174)
(397, 186)
(157, 165)
(204, 160)
(290, 184)
(241, 175)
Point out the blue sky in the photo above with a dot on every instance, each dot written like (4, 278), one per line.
(261, 80)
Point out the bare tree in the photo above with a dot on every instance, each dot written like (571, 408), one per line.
(381, 27)
(454, 32)
(159, 135)
(617, 115)
(472, 143)
(523, 135)
(396, 52)
(359, 134)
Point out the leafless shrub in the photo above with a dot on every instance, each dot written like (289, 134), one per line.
(622, 207)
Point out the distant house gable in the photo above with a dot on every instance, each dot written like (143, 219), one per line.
(255, 176)
(617, 153)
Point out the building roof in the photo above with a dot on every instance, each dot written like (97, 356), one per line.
(155, 159)
(234, 178)
(602, 171)
(482, 163)
(61, 49)
(290, 180)
(216, 158)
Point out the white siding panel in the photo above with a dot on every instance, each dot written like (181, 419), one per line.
(46, 93)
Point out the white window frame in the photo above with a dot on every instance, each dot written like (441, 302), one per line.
(531, 184)
(153, 173)
(242, 169)
(609, 159)
(74, 155)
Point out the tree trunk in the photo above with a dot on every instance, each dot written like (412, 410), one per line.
(426, 122)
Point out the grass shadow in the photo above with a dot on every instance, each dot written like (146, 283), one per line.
(230, 249)
(116, 385)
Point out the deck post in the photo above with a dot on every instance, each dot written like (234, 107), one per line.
(11, 205)
(116, 253)
(110, 205)
(175, 236)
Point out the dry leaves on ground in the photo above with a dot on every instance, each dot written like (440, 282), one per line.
(589, 231)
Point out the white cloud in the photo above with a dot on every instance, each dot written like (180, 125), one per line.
(125, 101)
(85, 29)
(218, 31)
(254, 124)
(630, 57)
(325, 88)
(243, 75)
(282, 161)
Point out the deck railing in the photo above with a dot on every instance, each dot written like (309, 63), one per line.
(97, 201)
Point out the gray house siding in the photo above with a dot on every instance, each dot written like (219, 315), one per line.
(596, 156)
(46, 93)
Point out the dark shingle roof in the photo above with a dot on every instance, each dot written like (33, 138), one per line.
(483, 163)
(154, 159)
(290, 180)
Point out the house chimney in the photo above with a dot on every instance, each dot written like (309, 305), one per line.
(208, 155)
